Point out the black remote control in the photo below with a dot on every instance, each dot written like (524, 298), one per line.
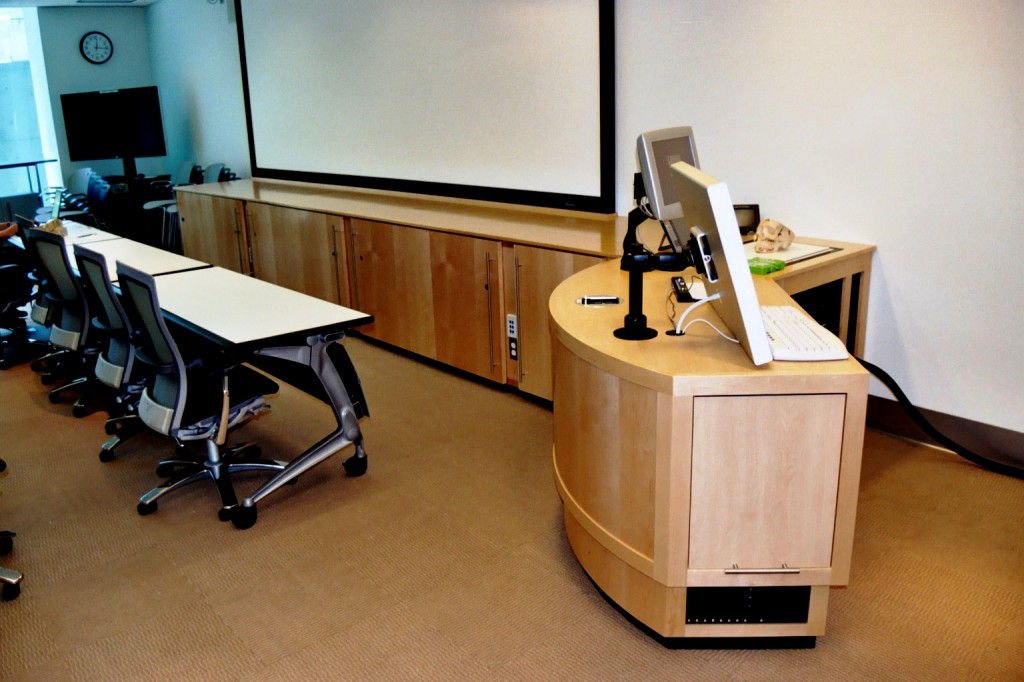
(682, 293)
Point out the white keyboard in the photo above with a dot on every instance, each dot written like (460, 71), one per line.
(793, 335)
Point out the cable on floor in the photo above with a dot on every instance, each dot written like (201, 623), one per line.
(939, 437)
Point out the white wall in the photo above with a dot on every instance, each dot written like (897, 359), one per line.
(892, 122)
(899, 124)
(61, 29)
(194, 53)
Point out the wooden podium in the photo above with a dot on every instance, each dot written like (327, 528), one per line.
(711, 501)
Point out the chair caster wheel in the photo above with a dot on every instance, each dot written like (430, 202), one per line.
(164, 470)
(106, 456)
(79, 411)
(10, 591)
(54, 398)
(146, 508)
(243, 517)
(6, 545)
(355, 465)
(224, 513)
(110, 429)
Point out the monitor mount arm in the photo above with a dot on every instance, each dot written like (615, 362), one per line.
(636, 260)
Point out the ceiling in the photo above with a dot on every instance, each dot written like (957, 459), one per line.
(76, 3)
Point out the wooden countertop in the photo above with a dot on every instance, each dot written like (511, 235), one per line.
(698, 363)
(573, 231)
(578, 232)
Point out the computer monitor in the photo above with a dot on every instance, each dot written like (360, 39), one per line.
(656, 151)
(718, 248)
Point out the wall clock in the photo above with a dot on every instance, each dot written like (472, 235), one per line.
(96, 47)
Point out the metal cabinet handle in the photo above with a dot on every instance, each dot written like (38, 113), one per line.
(736, 570)
(490, 309)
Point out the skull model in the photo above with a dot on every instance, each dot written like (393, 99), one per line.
(772, 236)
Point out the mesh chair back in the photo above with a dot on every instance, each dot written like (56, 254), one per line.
(114, 364)
(70, 320)
(163, 402)
(40, 312)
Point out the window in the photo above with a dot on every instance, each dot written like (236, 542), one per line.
(26, 125)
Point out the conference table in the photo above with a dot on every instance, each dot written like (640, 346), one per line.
(290, 335)
(148, 259)
(287, 333)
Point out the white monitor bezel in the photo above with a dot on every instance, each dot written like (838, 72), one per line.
(663, 201)
(706, 204)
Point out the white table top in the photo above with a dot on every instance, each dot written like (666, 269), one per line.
(242, 309)
(84, 234)
(140, 256)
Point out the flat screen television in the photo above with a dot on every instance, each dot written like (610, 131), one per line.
(114, 124)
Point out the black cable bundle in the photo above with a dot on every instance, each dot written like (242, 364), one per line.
(935, 434)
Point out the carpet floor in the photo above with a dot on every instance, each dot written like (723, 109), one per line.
(448, 559)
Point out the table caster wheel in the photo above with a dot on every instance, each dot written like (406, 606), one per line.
(10, 591)
(243, 517)
(146, 508)
(355, 465)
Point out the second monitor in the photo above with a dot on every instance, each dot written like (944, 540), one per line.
(656, 151)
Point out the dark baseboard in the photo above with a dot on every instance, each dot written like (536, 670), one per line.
(991, 442)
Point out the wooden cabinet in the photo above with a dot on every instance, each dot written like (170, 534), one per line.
(466, 279)
(296, 249)
(535, 272)
(433, 293)
(213, 230)
(442, 276)
(777, 457)
(390, 268)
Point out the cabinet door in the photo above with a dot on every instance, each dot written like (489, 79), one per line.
(536, 273)
(391, 281)
(764, 480)
(295, 249)
(466, 287)
(213, 230)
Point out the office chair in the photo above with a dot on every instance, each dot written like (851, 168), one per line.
(213, 172)
(191, 399)
(168, 206)
(75, 200)
(70, 328)
(115, 362)
(48, 358)
(19, 339)
(11, 579)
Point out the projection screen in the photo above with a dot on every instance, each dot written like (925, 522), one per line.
(497, 100)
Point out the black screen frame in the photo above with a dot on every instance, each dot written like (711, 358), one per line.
(603, 203)
(126, 123)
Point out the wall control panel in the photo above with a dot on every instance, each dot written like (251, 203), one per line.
(512, 332)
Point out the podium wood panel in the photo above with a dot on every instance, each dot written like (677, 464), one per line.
(680, 464)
